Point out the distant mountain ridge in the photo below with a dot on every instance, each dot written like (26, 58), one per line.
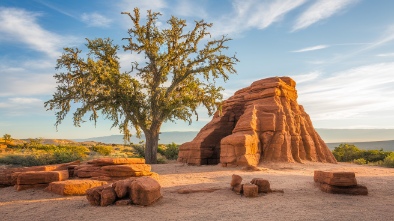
(362, 138)
(387, 145)
(177, 137)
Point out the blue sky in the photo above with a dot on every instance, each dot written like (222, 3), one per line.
(340, 52)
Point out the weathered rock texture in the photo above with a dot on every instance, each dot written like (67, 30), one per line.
(142, 191)
(8, 177)
(112, 169)
(339, 183)
(73, 187)
(262, 122)
(35, 179)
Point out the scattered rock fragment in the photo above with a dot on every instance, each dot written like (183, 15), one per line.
(339, 183)
(142, 191)
(250, 190)
(262, 184)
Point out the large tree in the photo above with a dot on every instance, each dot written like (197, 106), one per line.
(176, 78)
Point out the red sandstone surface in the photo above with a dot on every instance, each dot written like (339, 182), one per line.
(259, 123)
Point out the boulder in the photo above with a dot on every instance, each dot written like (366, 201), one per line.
(238, 189)
(335, 178)
(41, 177)
(236, 180)
(123, 187)
(108, 196)
(250, 190)
(262, 122)
(8, 177)
(93, 195)
(262, 184)
(113, 169)
(73, 187)
(145, 191)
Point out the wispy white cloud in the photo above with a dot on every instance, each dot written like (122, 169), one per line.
(321, 10)
(360, 92)
(95, 20)
(24, 100)
(58, 9)
(19, 25)
(313, 48)
(302, 78)
(17, 106)
(250, 14)
(386, 55)
(29, 78)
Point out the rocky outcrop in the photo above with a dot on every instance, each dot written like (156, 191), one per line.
(112, 169)
(142, 191)
(262, 122)
(339, 183)
(73, 187)
(8, 177)
(34, 179)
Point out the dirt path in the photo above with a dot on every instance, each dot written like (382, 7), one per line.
(301, 199)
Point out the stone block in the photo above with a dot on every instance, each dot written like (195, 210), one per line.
(73, 187)
(335, 178)
(108, 196)
(250, 190)
(145, 191)
(41, 177)
(349, 190)
(116, 161)
(235, 180)
(262, 184)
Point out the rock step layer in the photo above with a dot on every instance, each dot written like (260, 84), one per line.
(73, 187)
(339, 183)
(262, 122)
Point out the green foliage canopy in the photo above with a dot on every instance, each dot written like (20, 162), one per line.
(177, 78)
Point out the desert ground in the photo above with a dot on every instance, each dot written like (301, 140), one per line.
(301, 198)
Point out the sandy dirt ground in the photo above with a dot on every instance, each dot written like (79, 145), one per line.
(301, 200)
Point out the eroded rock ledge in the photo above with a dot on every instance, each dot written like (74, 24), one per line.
(262, 122)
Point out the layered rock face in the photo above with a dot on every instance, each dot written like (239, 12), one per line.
(262, 122)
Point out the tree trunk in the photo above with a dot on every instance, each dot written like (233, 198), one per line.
(152, 142)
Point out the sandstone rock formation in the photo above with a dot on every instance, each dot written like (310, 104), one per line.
(73, 187)
(262, 122)
(8, 177)
(34, 179)
(142, 191)
(112, 169)
(339, 183)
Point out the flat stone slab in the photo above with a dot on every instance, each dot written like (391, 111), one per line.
(335, 178)
(41, 177)
(116, 161)
(73, 187)
(349, 190)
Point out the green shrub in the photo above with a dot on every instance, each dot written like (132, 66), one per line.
(103, 150)
(139, 150)
(346, 153)
(374, 155)
(360, 161)
(44, 155)
(161, 159)
(389, 160)
(171, 153)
